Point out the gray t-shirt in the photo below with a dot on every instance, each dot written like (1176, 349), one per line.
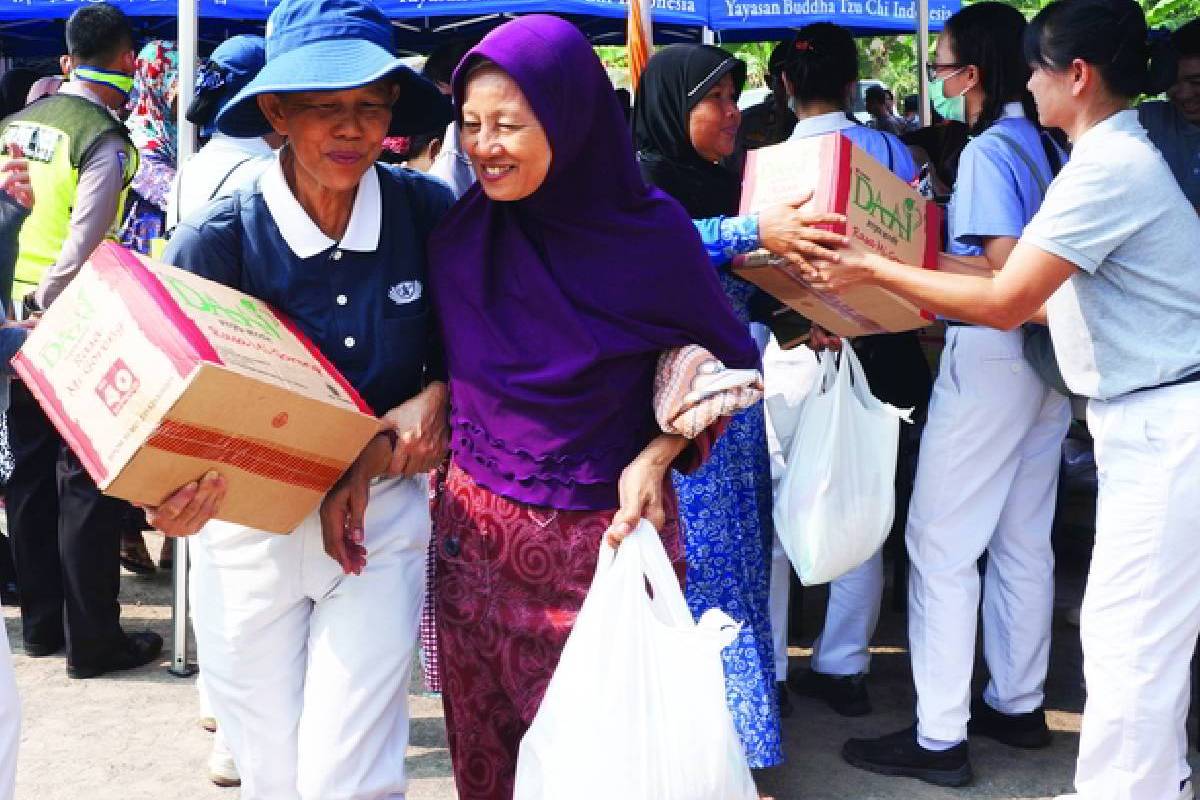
(1130, 317)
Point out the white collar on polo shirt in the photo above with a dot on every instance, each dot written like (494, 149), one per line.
(1013, 110)
(822, 123)
(302, 234)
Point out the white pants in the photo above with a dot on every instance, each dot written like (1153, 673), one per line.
(10, 720)
(308, 669)
(850, 620)
(1141, 611)
(986, 482)
(854, 598)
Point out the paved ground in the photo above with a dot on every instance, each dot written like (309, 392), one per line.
(135, 737)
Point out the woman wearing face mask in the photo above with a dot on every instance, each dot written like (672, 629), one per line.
(995, 427)
(819, 72)
(1114, 247)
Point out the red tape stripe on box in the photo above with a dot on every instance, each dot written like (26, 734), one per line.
(255, 457)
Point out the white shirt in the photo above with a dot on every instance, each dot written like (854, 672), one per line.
(220, 167)
(885, 148)
(452, 164)
(1129, 318)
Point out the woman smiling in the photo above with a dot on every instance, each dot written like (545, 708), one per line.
(307, 642)
(559, 279)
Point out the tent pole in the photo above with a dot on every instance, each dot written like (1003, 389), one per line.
(922, 59)
(188, 36)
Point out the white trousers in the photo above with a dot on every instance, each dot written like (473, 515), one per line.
(10, 720)
(777, 605)
(850, 620)
(986, 482)
(307, 669)
(1141, 610)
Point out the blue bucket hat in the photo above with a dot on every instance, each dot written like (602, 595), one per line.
(330, 45)
(226, 72)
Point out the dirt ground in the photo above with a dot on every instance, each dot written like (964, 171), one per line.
(134, 736)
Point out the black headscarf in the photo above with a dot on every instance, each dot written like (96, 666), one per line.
(675, 80)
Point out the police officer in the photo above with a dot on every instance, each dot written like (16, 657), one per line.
(65, 533)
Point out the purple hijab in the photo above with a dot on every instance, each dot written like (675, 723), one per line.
(554, 309)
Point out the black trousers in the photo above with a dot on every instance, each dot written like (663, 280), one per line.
(66, 539)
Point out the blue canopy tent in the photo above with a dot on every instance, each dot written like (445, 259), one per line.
(762, 20)
(34, 28)
(31, 28)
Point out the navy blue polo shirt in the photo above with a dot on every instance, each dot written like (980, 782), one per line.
(362, 301)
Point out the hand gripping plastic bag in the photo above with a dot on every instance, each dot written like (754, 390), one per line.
(636, 709)
(834, 506)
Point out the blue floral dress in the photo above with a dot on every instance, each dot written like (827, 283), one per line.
(725, 508)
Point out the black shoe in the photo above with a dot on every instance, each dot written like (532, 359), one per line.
(43, 649)
(137, 650)
(785, 700)
(1015, 730)
(900, 755)
(845, 694)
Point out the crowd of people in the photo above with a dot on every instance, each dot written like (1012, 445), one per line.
(497, 272)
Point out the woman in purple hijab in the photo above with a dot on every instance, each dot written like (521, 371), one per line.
(558, 280)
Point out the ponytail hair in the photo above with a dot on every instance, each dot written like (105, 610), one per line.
(1111, 36)
(821, 62)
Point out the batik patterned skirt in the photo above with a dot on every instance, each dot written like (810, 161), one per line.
(510, 579)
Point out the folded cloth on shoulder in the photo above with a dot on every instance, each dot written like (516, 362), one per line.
(692, 390)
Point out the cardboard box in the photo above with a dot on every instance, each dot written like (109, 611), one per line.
(885, 215)
(154, 376)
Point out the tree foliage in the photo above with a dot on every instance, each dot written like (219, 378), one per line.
(893, 59)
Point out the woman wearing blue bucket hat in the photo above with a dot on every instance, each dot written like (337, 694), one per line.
(307, 643)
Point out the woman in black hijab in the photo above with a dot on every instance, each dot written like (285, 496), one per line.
(685, 123)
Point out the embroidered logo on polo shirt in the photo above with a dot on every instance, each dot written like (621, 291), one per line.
(405, 292)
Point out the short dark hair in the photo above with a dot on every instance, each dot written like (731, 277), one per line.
(912, 103)
(988, 36)
(98, 33)
(1110, 35)
(440, 65)
(1186, 40)
(823, 61)
(778, 59)
(875, 94)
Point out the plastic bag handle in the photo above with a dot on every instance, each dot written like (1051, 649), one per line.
(862, 389)
(642, 554)
(829, 367)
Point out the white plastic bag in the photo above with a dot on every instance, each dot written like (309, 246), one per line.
(636, 709)
(835, 503)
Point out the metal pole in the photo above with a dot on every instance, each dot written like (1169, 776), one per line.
(922, 59)
(187, 43)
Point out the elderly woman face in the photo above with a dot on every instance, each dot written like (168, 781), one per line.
(334, 136)
(502, 136)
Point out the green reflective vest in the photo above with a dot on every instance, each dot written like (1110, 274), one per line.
(56, 135)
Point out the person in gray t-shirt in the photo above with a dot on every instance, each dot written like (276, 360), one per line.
(1174, 126)
(1113, 254)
